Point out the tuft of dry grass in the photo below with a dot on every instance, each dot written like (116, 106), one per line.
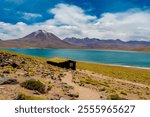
(131, 74)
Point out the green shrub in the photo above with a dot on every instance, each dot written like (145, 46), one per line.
(115, 97)
(102, 89)
(88, 80)
(49, 87)
(6, 72)
(23, 96)
(123, 93)
(34, 85)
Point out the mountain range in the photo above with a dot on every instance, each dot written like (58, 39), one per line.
(44, 39)
(115, 44)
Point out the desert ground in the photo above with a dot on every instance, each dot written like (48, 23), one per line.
(25, 77)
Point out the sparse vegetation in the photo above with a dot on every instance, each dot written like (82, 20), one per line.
(24, 96)
(115, 97)
(34, 85)
(123, 93)
(48, 80)
(6, 71)
(88, 80)
(132, 74)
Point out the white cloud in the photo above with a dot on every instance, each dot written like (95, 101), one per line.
(130, 25)
(70, 21)
(66, 14)
(29, 16)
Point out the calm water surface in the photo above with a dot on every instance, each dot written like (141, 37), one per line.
(98, 56)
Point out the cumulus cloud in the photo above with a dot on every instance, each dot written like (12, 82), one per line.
(130, 25)
(70, 15)
(72, 21)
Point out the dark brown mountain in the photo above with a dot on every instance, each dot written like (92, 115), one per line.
(43, 39)
(107, 44)
(38, 39)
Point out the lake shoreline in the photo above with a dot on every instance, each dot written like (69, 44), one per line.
(86, 61)
(113, 50)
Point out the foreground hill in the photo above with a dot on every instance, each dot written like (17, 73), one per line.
(25, 77)
(38, 39)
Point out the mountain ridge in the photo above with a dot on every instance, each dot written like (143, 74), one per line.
(44, 39)
(95, 43)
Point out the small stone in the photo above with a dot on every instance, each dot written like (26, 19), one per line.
(73, 94)
(14, 65)
(4, 81)
(36, 93)
(56, 97)
(23, 62)
(1, 87)
(62, 98)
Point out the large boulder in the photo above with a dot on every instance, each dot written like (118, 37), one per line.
(4, 81)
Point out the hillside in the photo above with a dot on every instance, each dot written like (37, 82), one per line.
(142, 49)
(25, 77)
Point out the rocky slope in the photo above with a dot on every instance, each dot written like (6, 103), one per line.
(31, 78)
(23, 77)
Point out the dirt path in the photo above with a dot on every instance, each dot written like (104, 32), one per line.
(84, 93)
(115, 79)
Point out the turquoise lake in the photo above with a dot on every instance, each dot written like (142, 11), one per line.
(138, 59)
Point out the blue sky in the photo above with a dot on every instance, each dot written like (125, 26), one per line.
(123, 19)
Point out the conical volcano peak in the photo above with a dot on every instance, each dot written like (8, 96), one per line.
(41, 35)
(41, 31)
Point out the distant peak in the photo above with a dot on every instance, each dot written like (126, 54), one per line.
(41, 35)
(41, 31)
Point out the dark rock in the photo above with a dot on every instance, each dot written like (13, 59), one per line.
(73, 94)
(4, 81)
(14, 65)
(4, 64)
(14, 55)
(20, 97)
(55, 77)
(65, 87)
(23, 62)
(61, 75)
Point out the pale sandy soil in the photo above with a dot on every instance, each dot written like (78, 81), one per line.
(84, 93)
(133, 90)
(65, 84)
